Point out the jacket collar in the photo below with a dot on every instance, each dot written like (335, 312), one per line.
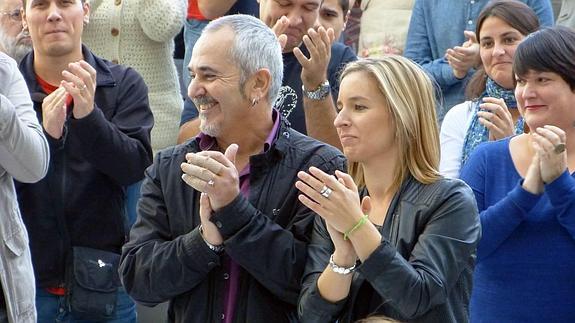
(279, 147)
(104, 76)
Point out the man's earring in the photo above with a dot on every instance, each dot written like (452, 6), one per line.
(255, 101)
(25, 31)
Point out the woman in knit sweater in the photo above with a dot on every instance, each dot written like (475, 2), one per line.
(525, 192)
(139, 34)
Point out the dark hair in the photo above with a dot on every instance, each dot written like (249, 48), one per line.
(344, 4)
(517, 15)
(548, 50)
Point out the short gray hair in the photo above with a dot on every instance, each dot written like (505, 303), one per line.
(255, 47)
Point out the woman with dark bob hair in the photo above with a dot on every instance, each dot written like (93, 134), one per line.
(407, 249)
(525, 192)
(491, 111)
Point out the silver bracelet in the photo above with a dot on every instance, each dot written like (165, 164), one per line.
(340, 270)
(216, 249)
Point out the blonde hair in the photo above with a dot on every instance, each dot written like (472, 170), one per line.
(411, 101)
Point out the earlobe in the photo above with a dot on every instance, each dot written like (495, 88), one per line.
(261, 83)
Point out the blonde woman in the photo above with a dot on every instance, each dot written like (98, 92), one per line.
(407, 249)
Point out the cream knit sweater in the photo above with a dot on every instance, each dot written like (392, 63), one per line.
(139, 34)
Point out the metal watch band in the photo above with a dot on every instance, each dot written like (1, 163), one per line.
(318, 94)
(340, 270)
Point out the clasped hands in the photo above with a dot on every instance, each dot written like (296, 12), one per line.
(79, 82)
(341, 209)
(465, 57)
(215, 175)
(495, 116)
(549, 160)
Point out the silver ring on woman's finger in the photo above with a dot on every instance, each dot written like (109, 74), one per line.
(82, 88)
(559, 148)
(326, 193)
(211, 182)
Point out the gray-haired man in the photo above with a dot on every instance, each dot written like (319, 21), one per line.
(220, 232)
(14, 40)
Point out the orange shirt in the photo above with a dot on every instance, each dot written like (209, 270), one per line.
(194, 10)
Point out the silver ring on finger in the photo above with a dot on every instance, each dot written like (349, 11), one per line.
(559, 148)
(326, 191)
(211, 183)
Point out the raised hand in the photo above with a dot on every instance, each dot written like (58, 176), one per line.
(213, 173)
(54, 113)
(210, 231)
(549, 143)
(279, 28)
(80, 82)
(465, 57)
(497, 119)
(533, 182)
(314, 68)
(336, 201)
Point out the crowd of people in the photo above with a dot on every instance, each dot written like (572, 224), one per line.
(424, 175)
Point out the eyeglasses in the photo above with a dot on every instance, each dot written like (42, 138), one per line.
(14, 14)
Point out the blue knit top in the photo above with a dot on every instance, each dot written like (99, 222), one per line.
(525, 268)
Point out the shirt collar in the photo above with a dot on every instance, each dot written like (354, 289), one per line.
(207, 142)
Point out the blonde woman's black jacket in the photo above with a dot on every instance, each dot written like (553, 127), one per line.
(267, 234)
(80, 202)
(422, 270)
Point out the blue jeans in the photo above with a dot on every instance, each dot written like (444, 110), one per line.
(52, 309)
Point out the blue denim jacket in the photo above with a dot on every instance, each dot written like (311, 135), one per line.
(437, 25)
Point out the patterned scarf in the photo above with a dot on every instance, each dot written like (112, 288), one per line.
(477, 133)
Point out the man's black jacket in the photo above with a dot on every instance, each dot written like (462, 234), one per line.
(80, 202)
(267, 235)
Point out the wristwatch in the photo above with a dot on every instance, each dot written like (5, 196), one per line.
(318, 94)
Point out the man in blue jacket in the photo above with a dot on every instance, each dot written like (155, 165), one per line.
(97, 121)
(221, 233)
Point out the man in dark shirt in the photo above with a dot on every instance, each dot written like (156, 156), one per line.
(97, 122)
(312, 61)
(221, 233)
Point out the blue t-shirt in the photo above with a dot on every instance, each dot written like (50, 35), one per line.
(290, 100)
(525, 269)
